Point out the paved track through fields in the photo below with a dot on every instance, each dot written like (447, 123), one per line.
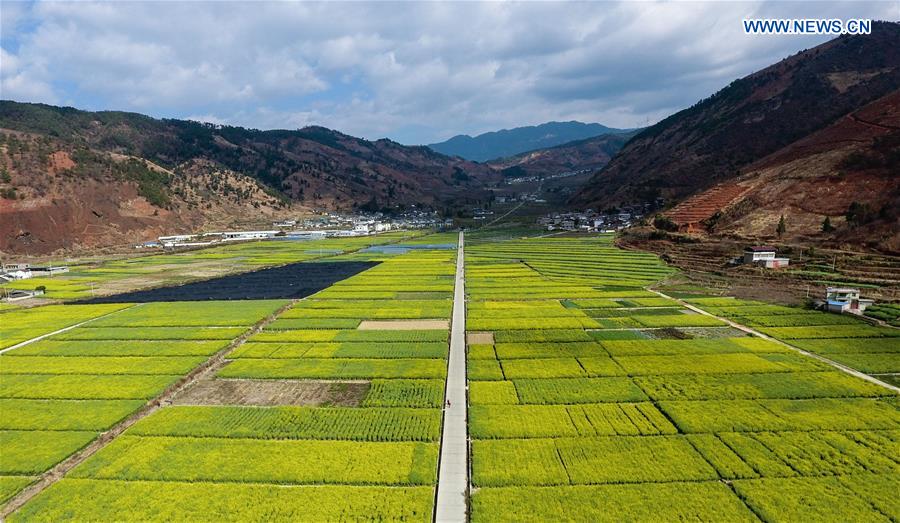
(453, 468)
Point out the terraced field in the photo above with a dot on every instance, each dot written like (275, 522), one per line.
(590, 398)
(593, 399)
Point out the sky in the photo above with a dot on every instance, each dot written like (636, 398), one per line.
(415, 72)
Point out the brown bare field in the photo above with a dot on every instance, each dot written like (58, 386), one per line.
(404, 325)
(478, 338)
(273, 392)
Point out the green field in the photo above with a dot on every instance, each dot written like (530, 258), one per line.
(591, 398)
(634, 416)
(375, 460)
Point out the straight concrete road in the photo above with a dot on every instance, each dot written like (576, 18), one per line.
(453, 473)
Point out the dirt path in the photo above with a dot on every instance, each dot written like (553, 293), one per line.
(883, 127)
(204, 371)
(453, 467)
(514, 209)
(839, 366)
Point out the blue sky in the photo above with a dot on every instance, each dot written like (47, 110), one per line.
(412, 72)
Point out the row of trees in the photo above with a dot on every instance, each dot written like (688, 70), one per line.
(857, 214)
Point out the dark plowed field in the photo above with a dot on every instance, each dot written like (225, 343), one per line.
(289, 281)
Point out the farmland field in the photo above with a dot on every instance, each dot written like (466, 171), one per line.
(840, 338)
(377, 460)
(631, 416)
(92, 277)
(590, 397)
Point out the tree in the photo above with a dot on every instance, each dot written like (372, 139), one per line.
(859, 214)
(826, 225)
(663, 223)
(782, 227)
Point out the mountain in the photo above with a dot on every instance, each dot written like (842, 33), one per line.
(720, 137)
(848, 172)
(509, 142)
(76, 179)
(582, 155)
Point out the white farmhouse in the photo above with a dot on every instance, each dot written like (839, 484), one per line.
(764, 256)
(845, 299)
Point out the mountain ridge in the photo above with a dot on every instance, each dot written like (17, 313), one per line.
(753, 117)
(282, 171)
(579, 155)
(495, 145)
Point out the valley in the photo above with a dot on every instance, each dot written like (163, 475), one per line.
(646, 269)
(339, 398)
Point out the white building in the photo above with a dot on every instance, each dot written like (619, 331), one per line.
(845, 299)
(248, 235)
(306, 235)
(16, 274)
(50, 270)
(759, 254)
(765, 257)
(17, 294)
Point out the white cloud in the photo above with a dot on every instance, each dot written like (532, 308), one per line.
(24, 81)
(383, 69)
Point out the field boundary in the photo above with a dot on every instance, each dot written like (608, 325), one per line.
(65, 329)
(741, 327)
(202, 371)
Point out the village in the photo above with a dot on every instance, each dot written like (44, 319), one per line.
(591, 220)
(325, 225)
(544, 177)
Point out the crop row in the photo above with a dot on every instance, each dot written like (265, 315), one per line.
(677, 501)
(650, 365)
(263, 461)
(549, 421)
(116, 500)
(647, 459)
(398, 349)
(367, 424)
(99, 365)
(782, 414)
(158, 348)
(585, 461)
(326, 335)
(191, 314)
(567, 391)
(19, 326)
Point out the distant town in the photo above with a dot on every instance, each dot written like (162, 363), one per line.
(594, 221)
(325, 225)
